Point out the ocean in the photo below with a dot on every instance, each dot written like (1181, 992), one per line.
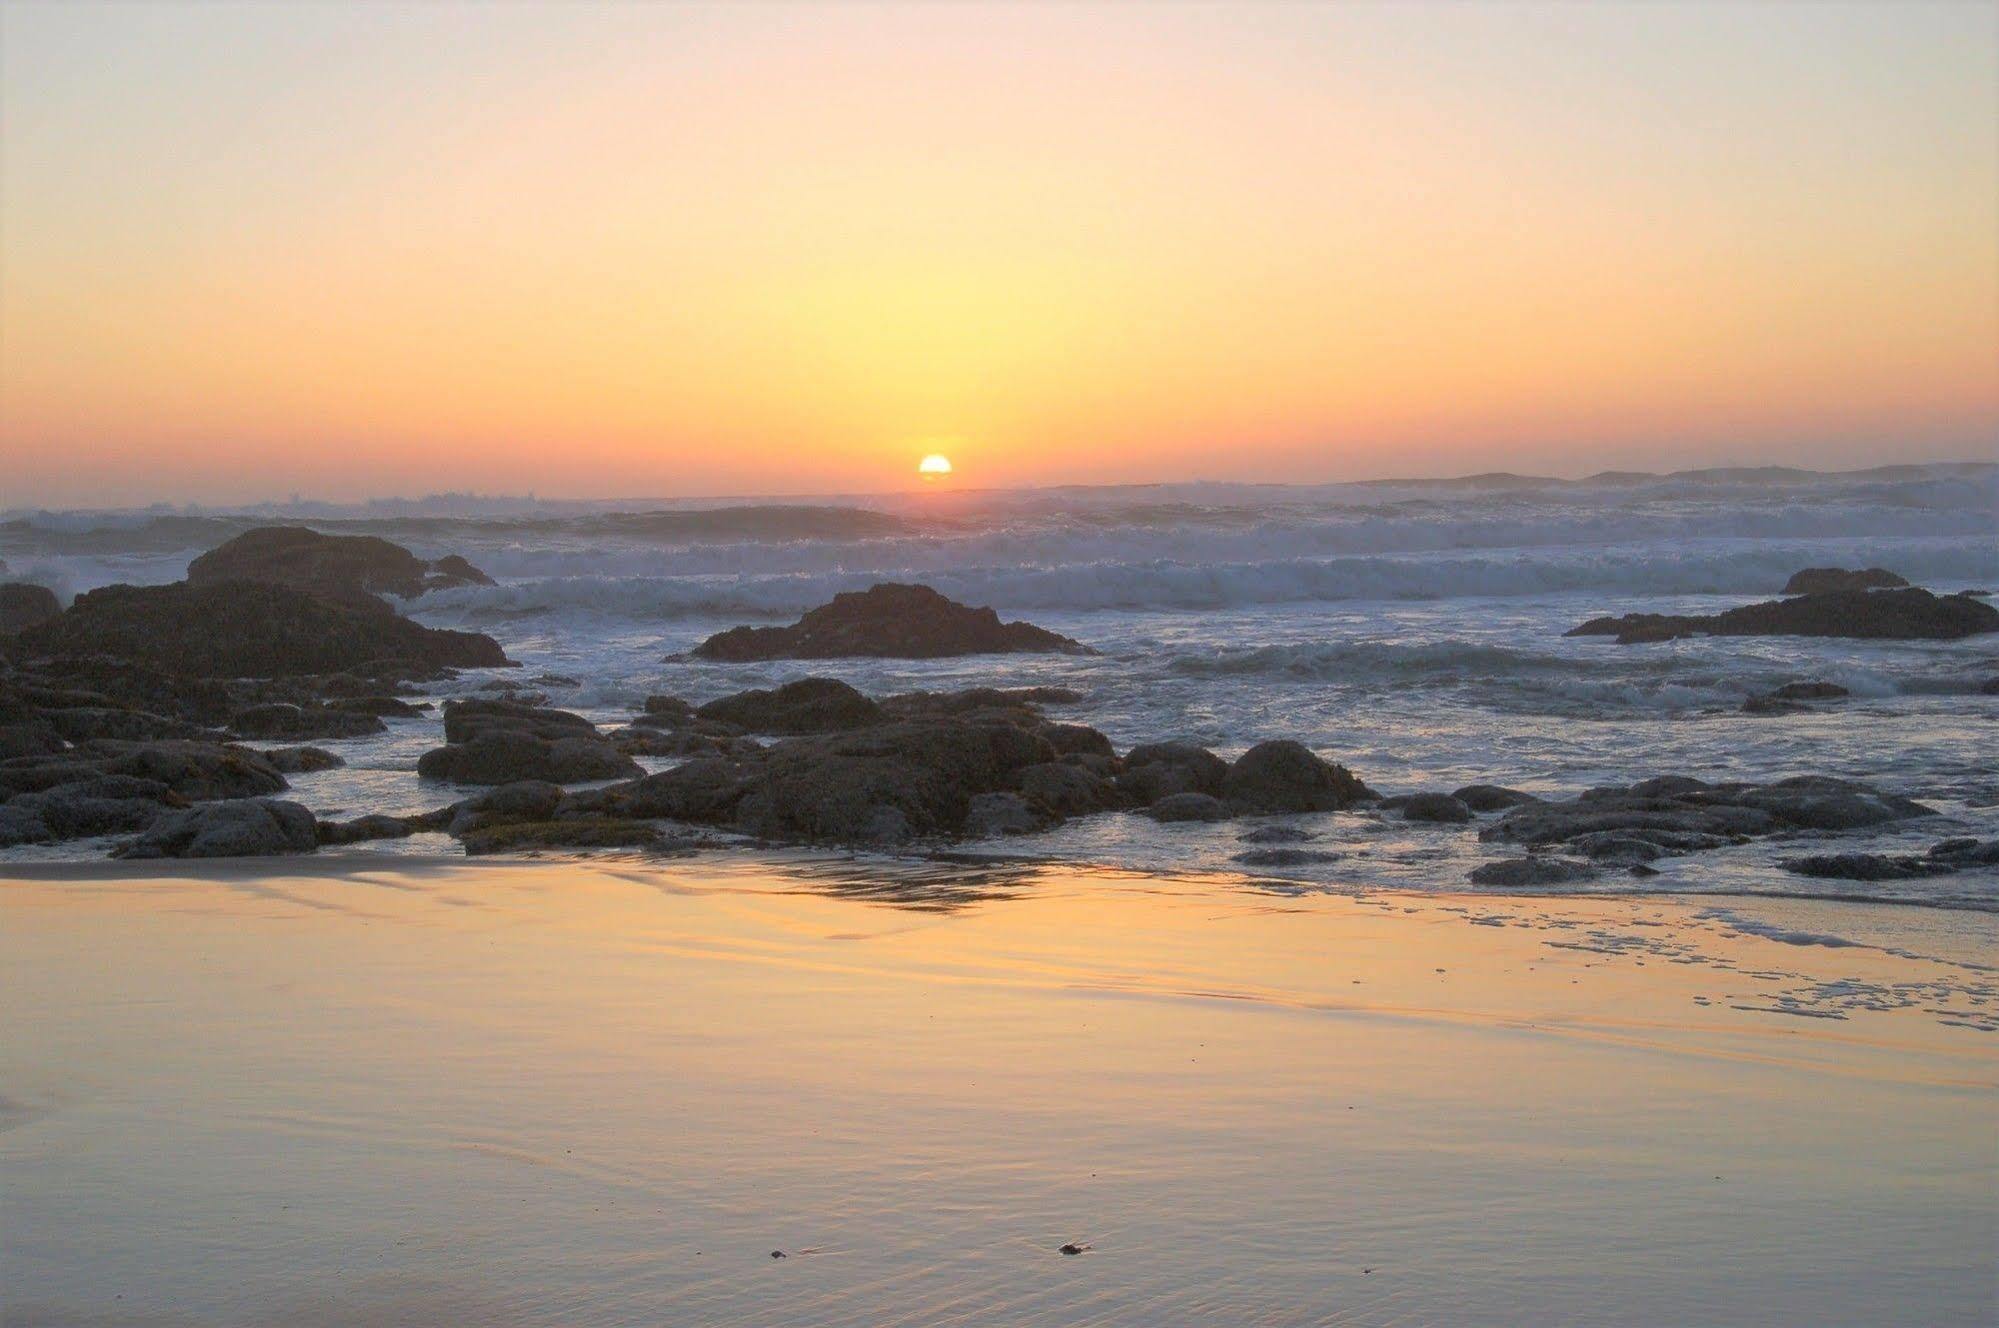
(1410, 630)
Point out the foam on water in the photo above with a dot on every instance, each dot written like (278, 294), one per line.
(1411, 630)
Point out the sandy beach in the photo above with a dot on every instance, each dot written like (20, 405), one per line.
(606, 1092)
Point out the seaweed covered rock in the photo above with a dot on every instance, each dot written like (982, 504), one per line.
(889, 620)
(1897, 615)
(339, 566)
(240, 629)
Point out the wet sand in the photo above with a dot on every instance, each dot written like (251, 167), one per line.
(606, 1092)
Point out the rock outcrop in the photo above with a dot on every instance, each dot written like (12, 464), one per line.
(23, 605)
(1901, 615)
(810, 705)
(893, 621)
(1675, 814)
(502, 742)
(338, 566)
(1820, 580)
(1286, 776)
(242, 629)
(253, 827)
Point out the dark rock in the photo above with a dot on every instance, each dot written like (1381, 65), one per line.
(520, 836)
(190, 770)
(505, 756)
(810, 705)
(1810, 691)
(1901, 615)
(1819, 802)
(898, 621)
(1285, 776)
(1610, 846)
(1492, 797)
(1067, 790)
(1821, 580)
(1157, 770)
(682, 742)
(340, 566)
(1676, 814)
(989, 815)
(301, 760)
(479, 716)
(1439, 807)
(1076, 740)
(1772, 705)
(363, 828)
(1966, 852)
(1188, 807)
(281, 720)
(1283, 857)
(1532, 871)
(938, 705)
(392, 706)
(703, 791)
(1863, 866)
(884, 783)
(243, 630)
(23, 605)
(452, 570)
(522, 800)
(252, 827)
(670, 707)
(1276, 834)
(1990, 687)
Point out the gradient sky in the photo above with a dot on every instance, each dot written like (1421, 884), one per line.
(652, 249)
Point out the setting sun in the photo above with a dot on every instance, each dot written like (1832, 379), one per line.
(934, 466)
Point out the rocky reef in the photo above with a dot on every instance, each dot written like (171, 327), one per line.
(1902, 615)
(892, 621)
(340, 566)
(245, 629)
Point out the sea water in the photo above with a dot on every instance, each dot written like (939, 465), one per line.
(1413, 631)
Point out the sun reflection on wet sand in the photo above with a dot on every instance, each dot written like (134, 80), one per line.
(606, 1091)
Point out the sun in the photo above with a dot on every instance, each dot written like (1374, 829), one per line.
(934, 466)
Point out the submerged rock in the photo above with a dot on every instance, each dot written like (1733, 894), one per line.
(339, 566)
(889, 620)
(1820, 580)
(1900, 615)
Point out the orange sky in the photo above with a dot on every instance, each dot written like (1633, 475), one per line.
(654, 249)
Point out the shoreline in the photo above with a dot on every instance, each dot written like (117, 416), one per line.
(598, 1093)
